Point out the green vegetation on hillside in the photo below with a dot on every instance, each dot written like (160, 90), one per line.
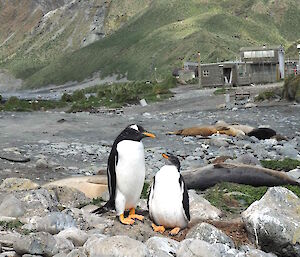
(163, 35)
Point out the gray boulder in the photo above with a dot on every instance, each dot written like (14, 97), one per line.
(258, 253)
(40, 243)
(60, 255)
(69, 197)
(93, 240)
(288, 150)
(201, 209)
(42, 164)
(225, 250)
(7, 238)
(77, 236)
(209, 234)
(248, 159)
(196, 248)
(118, 246)
(11, 207)
(274, 222)
(295, 173)
(77, 253)
(52, 223)
(219, 142)
(38, 202)
(9, 254)
(93, 220)
(162, 246)
(63, 245)
(16, 184)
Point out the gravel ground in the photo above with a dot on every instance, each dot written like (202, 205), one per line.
(73, 144)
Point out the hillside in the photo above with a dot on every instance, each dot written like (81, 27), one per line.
(134, 37)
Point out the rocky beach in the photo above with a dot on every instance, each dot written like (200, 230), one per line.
(42, 219)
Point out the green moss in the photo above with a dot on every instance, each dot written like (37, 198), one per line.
(145, 190)
(291, 88)
(9, 225)
(286, 164)
(97, 201)
(235, 198)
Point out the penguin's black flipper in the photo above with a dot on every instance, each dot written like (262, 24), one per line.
(150, 196)
(185, 199)
(111, 172)
(105, 208)
(112, 181)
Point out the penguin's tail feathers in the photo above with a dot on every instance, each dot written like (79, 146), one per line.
(105, 208)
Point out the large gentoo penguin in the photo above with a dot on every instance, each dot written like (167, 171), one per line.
(126, 173)
(168, 200)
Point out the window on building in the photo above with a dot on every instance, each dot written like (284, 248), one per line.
(242, 70)
(205, 73)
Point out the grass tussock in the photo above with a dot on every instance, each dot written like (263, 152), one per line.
(113, 96)
(235, 198)
(286, 164)
(291, 88)
(222, 91)
(13, 104)
(118, 95)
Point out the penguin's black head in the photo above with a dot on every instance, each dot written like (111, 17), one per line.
(135, 132)
(173, 159)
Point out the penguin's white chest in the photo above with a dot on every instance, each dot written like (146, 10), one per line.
(130, 174)
(165, 203)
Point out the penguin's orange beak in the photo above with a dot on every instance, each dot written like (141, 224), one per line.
(165, 156)
(147, 134)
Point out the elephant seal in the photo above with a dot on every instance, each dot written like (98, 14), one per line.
(262, 133)
(208, 176)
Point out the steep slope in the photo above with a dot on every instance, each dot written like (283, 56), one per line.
(162, 34)
(34, 33)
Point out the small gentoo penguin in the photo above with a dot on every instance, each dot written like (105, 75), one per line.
(126, 173)
(168, 200)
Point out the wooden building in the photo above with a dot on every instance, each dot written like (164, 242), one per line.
(257, 65)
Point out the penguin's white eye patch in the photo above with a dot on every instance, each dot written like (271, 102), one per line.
(134, 127)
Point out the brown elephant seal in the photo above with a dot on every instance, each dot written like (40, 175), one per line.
(204, 131)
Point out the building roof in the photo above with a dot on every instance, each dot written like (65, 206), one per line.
(213, 63)
(258, 48)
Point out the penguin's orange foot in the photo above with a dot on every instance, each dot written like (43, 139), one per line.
(126, 221)
(174, 231)
(160, 229)
(136, 216)
(132, 215)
